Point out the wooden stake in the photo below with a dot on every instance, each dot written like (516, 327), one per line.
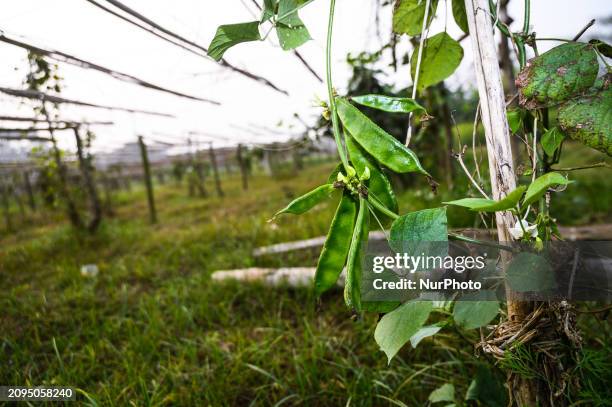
(497, 133)
(244, 171)
(213, 162)
(6, 207)
(147, 178)
(90, 186)
(29, 190)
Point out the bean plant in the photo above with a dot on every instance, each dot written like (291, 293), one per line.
(565, 79)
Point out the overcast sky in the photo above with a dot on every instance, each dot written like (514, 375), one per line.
(79, 28)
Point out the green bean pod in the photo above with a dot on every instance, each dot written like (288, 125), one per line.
(359, 241)
(379, 185)
(380, 144)
(336, 247)
(389, 104)
(307, 201)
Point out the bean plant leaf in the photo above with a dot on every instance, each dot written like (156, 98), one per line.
(441, 57)
(396, 328)
(460, 15)
(290, 29)
(551, 140)
(307, 201)
(359, 241)
(389, 104)
(336, 247)
(446, 392)
(530, 272)
(408, 16)
(515, 119)
(557, 75)
(423, 333)
(538, 187)
(424, 231)
(589, 119)
(486, 389)
(379, 185)
(232, 34)
(474, 314)
(386, 149)
(489, 205)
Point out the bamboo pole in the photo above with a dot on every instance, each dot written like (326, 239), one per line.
(501, 167)
(147, 179)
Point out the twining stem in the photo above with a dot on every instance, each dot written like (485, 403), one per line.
(418, 68)
(330, 88)
(527, 17)
(584, 167)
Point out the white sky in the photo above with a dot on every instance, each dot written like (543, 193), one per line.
(80, 29)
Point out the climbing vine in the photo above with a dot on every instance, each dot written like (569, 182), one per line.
(565, 79)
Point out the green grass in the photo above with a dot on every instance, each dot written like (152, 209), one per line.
(152, 329)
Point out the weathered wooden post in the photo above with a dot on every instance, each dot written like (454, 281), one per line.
(73, 213)
(27, 186)
(244, 171)
(147, 178)
(6, 207)
(499, 151)
(90, 186)
(213, 163)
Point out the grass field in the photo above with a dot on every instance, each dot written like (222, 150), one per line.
(152, 329)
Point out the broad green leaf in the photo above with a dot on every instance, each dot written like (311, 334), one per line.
(380, 144)
(441, 57)
(489, 205)
(290, 29)
(396, 328)
(460, 15)
(530, 272)
(551, 140)
(424, 231)
(423, 333)
(359, 241)
(538, 188)
(425, 225)
(474, 314)
(307, 201)
(587, 119)
(515, 119)
(292, 37)
(379, 185)
(486, 389)
(557, 75)
(336, 247)
(408, 16)
(446, 392)
(389, 104)
(229, 35)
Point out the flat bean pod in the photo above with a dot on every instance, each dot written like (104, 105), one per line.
(307, 201)
(389, 104)
(379, 185)
(380, 144)
(336, 247)
(359, 240)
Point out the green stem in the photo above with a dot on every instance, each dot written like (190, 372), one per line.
(330, 88)
(527, 17)
(382, 208)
